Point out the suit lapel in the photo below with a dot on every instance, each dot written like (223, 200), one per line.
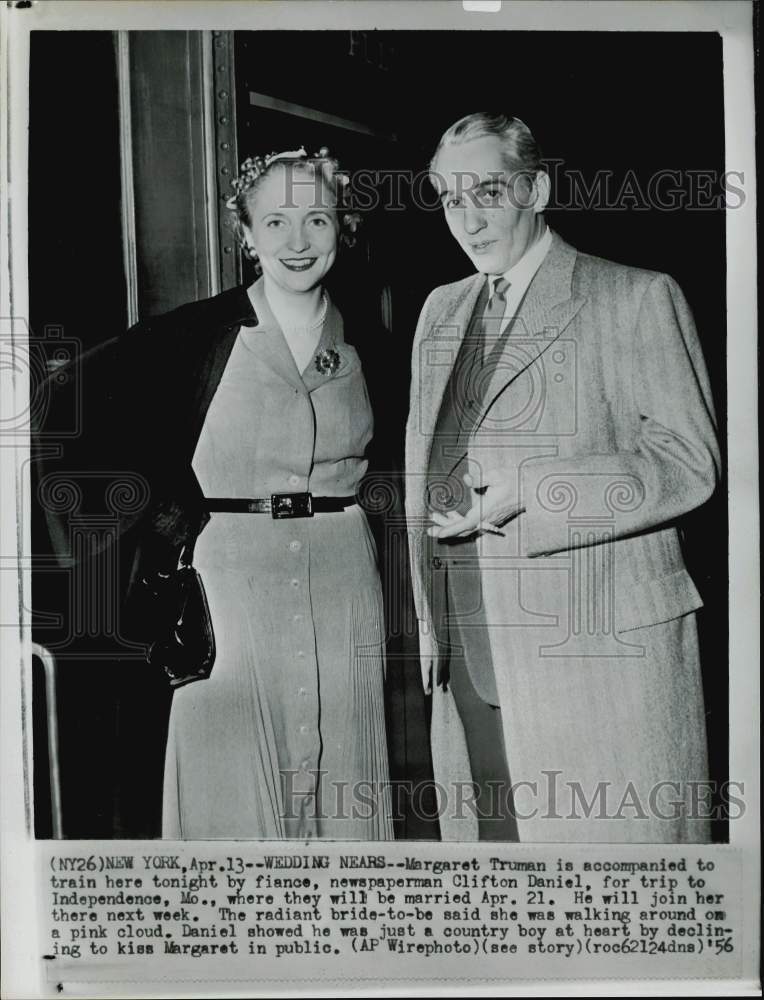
(438, 353)
(546, 310)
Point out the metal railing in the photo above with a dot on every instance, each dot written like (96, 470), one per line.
(48, 661)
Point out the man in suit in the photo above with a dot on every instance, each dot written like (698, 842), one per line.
(561, 421)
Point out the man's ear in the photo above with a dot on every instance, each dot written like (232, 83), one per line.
(542, 189)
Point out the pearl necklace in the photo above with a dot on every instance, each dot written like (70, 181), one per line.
(309, 327)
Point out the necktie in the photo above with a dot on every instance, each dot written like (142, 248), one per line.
(493, 314)
(487, 325)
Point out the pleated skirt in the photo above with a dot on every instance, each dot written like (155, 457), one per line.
(287, 737)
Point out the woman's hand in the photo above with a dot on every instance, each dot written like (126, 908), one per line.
(493, 505)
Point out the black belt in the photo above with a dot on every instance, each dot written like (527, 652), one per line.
(280, 505)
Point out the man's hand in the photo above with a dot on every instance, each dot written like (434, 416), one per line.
(493, 505)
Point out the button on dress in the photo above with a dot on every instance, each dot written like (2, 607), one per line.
(287, 736)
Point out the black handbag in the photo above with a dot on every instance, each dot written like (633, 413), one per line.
(185, 643)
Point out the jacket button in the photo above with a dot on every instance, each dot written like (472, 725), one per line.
(437, 562)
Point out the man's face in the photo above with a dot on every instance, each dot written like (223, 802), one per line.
(494, 216)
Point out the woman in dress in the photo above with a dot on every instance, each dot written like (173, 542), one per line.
(286, 738)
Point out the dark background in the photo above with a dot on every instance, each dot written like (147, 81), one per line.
(616, 101)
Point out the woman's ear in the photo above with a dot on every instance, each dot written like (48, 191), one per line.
(247, 243)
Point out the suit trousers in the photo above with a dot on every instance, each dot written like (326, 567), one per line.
(463, 640)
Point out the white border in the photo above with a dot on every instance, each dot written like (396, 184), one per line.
(20, 970)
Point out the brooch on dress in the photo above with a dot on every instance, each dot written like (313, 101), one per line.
(327, 361)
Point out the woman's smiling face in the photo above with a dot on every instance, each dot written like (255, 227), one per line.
(294, 227)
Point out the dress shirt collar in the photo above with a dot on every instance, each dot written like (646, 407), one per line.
(521, 274)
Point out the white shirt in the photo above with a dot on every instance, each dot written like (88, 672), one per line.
(521, 274)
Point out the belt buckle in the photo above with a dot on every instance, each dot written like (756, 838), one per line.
(291, 505)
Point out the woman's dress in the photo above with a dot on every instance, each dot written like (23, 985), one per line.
(287, 736)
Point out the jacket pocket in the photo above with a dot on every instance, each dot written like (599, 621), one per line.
(649, 602)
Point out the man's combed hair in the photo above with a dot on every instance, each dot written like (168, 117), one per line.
(521, 151)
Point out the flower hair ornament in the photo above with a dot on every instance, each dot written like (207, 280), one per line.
(254, 167)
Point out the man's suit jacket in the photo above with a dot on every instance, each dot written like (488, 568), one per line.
(600, 411)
